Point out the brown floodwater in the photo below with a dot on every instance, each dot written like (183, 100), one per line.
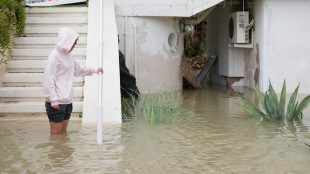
(218, 138)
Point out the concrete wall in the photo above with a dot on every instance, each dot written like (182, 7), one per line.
(111, 99)
(158, 65)
(281, 49)
(282, 38)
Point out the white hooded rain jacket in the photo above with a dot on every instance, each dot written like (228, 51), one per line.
(60, 69)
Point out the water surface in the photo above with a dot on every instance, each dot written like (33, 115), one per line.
(219, 138)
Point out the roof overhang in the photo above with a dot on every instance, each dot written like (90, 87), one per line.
(54, 3)
(168, 8)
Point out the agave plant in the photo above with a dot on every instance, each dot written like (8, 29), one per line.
(274, 109)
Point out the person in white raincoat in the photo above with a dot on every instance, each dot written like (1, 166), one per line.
(58, 80)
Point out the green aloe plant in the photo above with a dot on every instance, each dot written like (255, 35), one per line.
(274, 109)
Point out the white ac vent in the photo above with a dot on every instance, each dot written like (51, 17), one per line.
(238, 21)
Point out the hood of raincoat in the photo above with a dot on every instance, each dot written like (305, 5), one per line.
(66, 39)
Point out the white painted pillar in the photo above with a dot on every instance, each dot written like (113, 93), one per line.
(111, 99)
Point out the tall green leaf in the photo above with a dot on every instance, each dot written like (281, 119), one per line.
(267, 107)
(275, 104)
(292, 113)
(303, 105)
(283, 98)
(249, 110)
(261, 97)
(272, 93)
(270, 104)
(291, 102)
(277, 111)
(252, 105)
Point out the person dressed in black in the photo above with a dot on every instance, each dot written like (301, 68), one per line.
(129, 87)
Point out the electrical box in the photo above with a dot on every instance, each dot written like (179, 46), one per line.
(235, 62)
(238, 21)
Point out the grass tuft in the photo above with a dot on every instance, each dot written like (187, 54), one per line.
(156, 108)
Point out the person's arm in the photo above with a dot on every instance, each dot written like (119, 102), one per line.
(80, 70)
(49, 86)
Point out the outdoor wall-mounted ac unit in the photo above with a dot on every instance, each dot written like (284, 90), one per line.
(238, 21)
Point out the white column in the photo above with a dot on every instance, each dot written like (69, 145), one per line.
(111, 82)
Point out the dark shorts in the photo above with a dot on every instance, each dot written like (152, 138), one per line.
(58, 115)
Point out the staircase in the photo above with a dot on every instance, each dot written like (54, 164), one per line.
(22, 84)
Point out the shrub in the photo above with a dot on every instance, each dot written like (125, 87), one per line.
(12, 20)
(274, 109)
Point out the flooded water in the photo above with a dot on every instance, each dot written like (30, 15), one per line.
(219, 138)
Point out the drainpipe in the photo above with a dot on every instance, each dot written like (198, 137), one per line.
(100, 80)
(135, 50)
(125, 41)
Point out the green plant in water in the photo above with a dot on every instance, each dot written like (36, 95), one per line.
(12, 20)
(274, 109)
(195, 41)
(155, 108)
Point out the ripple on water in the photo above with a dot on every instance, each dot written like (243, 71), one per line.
(218, 138)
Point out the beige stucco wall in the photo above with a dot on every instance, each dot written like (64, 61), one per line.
(158, 65)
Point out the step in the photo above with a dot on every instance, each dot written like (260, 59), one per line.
(57, 13)
(31, 107)
(56, 20)
(30, 65)
(60, 14)
(43, 52)
(43, 41)
(31, 94)
(30, 80)
(29, 46)
(43, 58)
(52, 29)
(49, 10)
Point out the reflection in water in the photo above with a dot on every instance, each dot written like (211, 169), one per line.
(59, 154)
(219, 138)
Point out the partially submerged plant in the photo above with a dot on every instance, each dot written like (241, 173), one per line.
(155, 108)
(274, 109)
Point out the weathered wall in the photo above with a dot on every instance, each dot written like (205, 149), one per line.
(254, 57)
(158, 66)
(282, 35)
(281, 50)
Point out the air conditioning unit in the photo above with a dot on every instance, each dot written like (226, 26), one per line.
(238, 21)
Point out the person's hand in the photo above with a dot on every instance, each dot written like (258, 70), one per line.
(100, 70)
(56, 107)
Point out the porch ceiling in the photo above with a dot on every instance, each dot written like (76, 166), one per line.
(173, 8)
